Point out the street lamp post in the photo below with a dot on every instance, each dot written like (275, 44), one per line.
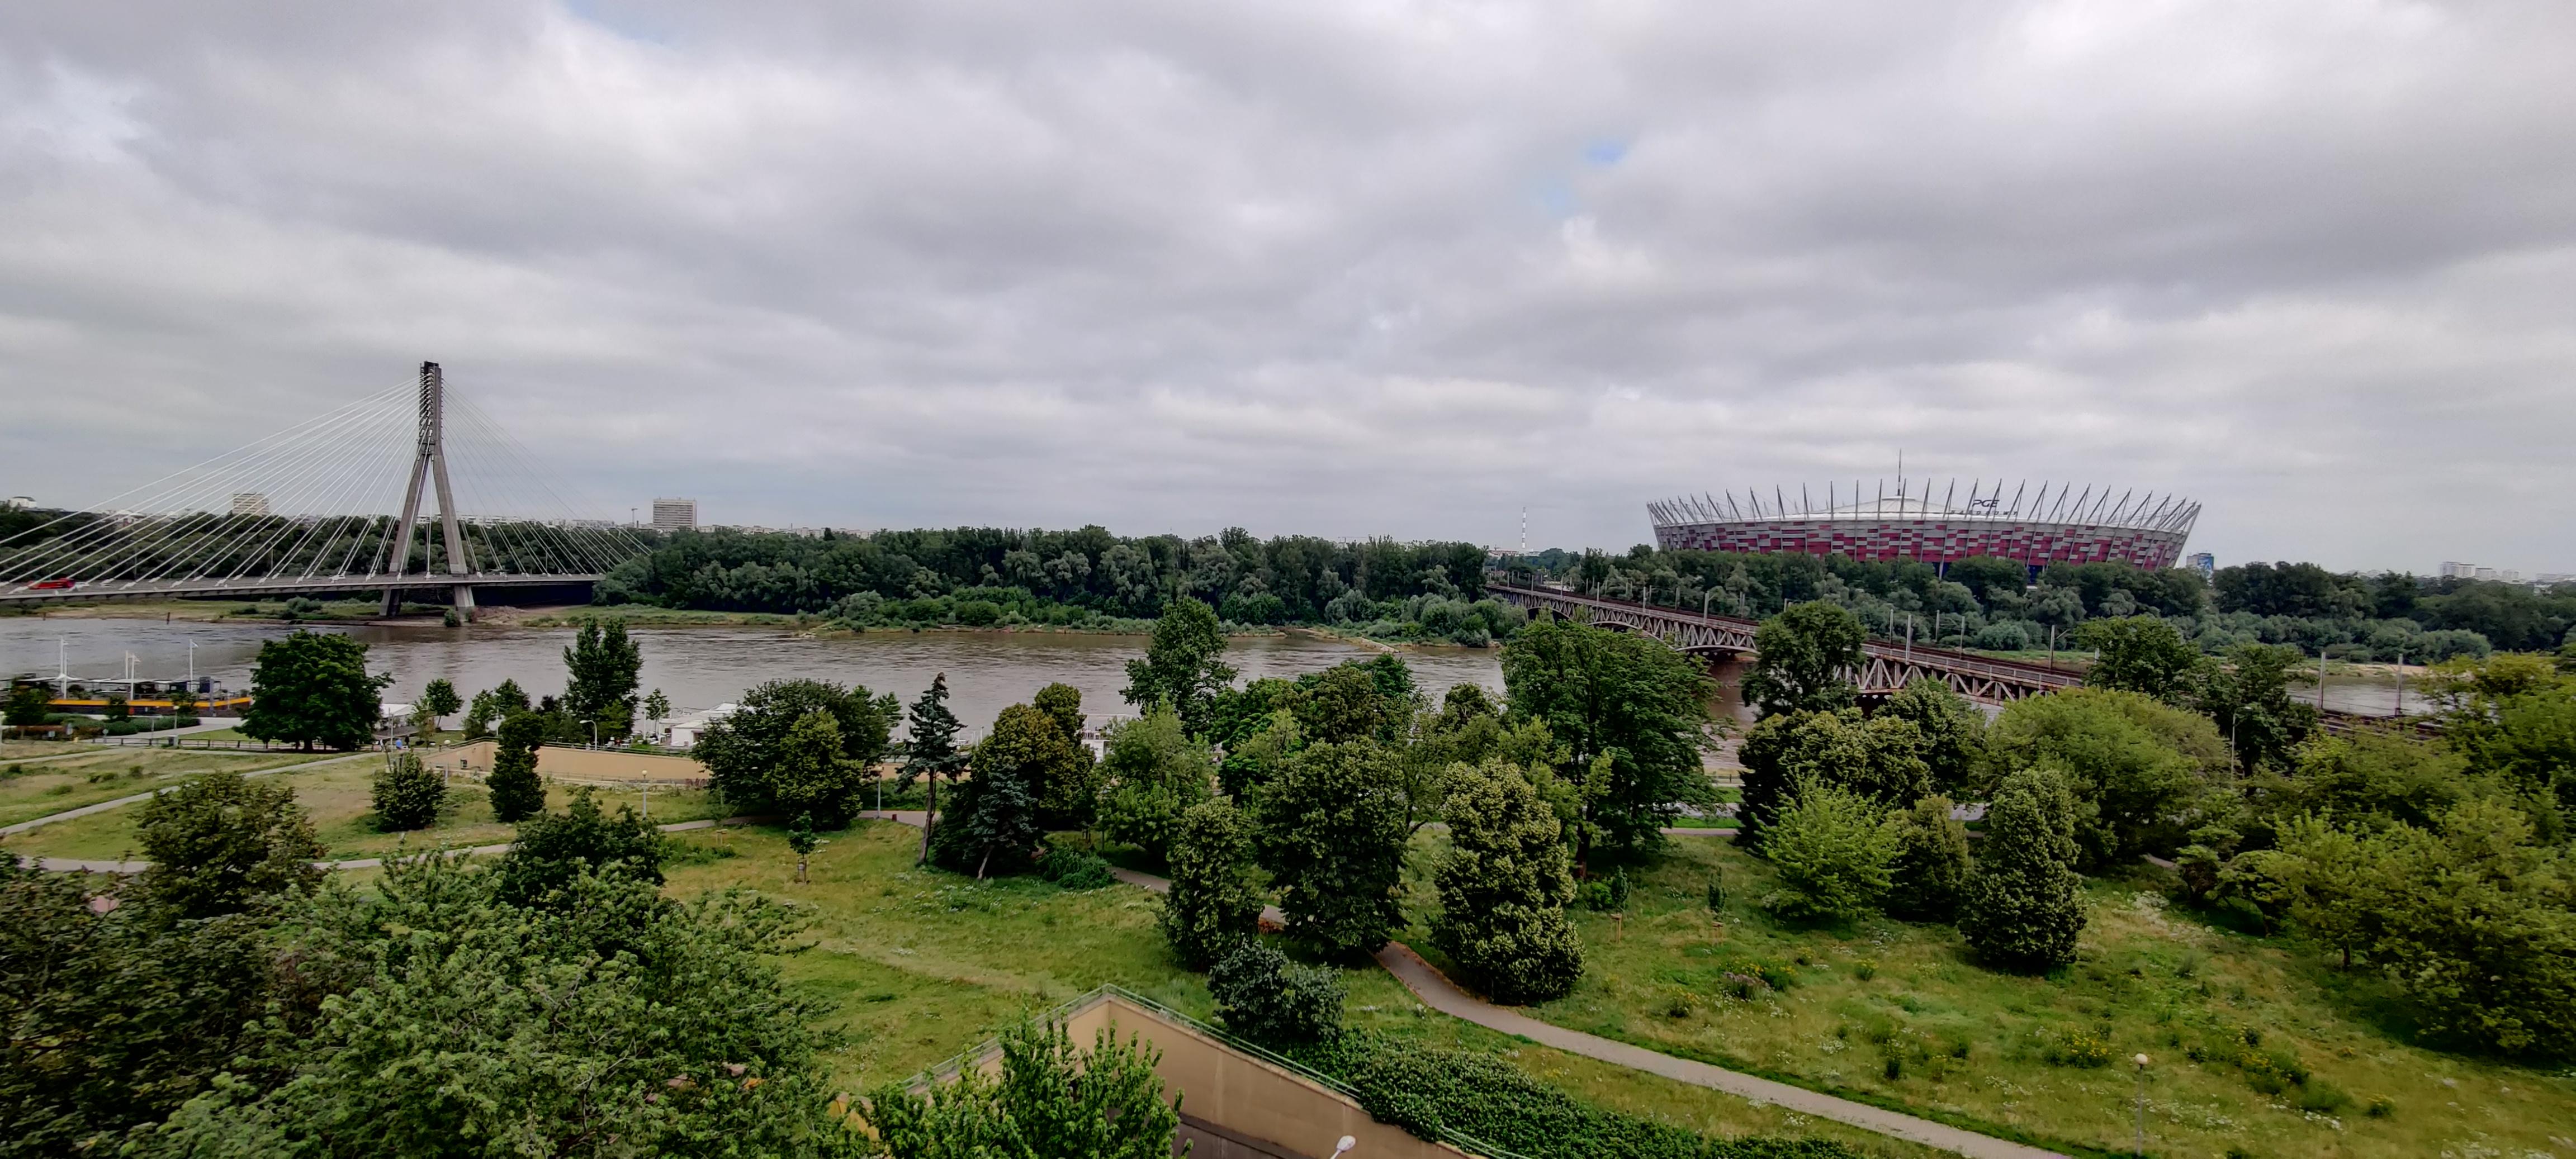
(2141, 1060)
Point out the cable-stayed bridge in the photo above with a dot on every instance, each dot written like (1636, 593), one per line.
(409, 491)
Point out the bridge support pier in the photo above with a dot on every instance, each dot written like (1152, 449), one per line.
(463, 598)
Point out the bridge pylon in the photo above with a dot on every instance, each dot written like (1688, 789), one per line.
(429, 467)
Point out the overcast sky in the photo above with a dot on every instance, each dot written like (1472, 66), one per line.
(1326, 267)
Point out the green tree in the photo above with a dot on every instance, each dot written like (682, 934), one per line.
(1069, 791)
(2025, 903)
(1931, 870)
(657, 707)
(2141, 654)
(1879, 757)
(1804, 660)
(117, 1014)
(1952, 728)
(438, 699)
(1630, 715)
(1049, 1099)
(2480, 930)
(993, 819)
(406, 794)
(1151, 772)
(1213, 904)
(1832, 849)
(601, 668)
(220, 843)
(618, 1015)
(551, 850)
(1263, 996)
(1354, 700)
(514, 787)
(1331, 830)
(309, 688)
(2517, 720)
(28, 706)
(931, 752)
(2248, 697)
(753, 764)
(2144, 774)
(1183, 665)
(1503, 886)
(801, 840)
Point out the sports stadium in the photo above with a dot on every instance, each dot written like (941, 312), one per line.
(1939, 526)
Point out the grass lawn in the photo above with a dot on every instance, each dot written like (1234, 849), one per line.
(104, 774)
(1898, 1014)
(919, 965)
(338, 798)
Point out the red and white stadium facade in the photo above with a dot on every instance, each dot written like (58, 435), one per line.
(1910, 522)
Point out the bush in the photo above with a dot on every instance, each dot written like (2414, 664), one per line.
(1832, 849)
(2006, 636)
(407, 795)
(1607, 895)
(2077, 1048)
(1428, 1090)
(1263, 996)
(1075, 869)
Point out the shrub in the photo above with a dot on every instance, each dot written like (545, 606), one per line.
(2077, 1048)
(1607, 895)
(2025, 903)
(1832, 849)
(407, 795)
(1931, 862)
(1263, 996)
(1429, 1090)
(1075, 869)
(553, 849)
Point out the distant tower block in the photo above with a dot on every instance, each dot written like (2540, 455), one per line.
(250, 503)
(429, 465)
(671, 515)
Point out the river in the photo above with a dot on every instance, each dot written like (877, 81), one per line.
(699, 667)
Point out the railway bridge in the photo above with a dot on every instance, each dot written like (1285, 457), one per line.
(1885, 667)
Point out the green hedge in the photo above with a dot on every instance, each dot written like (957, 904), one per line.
(1426, 1090)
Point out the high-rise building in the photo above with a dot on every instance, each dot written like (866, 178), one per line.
(2202, 562)
(675, 515)
(250, 503)
(2454, 570)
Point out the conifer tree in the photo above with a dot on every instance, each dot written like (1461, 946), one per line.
(931, 750)
(1214, 905)
(992, 819)
(406, 794)
(1504, 886)
(2025, 902)
(516, 792)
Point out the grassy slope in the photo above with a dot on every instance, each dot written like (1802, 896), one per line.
(55, 786)
(920, 965)
(337, 797)
(2149, 981)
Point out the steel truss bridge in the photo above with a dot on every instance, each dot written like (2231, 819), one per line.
(335, 505)
(1885, 667)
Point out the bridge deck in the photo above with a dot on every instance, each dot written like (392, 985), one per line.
(279, 586)
(1886, 666)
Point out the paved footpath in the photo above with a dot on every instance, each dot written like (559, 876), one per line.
(121, 802)
(1439, 993)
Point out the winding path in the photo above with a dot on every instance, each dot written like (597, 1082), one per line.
(1432, 988)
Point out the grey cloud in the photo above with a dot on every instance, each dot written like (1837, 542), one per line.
(1340, 268)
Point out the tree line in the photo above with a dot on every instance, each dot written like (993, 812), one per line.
(980, 576)
(1999, 605)
(2439, 865)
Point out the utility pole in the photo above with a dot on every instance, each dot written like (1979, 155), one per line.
(428, 467)
(2400, 710)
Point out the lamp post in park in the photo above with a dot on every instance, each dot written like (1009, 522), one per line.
(2141, 1060)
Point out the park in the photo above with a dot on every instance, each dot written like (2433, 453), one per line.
(2139, 931)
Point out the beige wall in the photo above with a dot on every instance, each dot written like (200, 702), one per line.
(579, 764)
(1243, 1094)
